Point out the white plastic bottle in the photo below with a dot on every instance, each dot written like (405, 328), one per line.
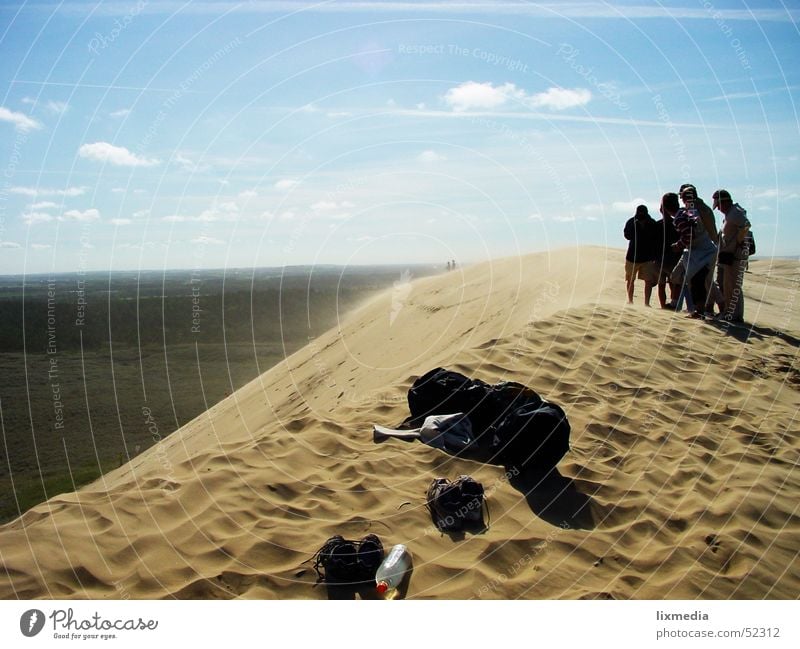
(394, 567)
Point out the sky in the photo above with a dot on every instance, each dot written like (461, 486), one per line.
(216, 134)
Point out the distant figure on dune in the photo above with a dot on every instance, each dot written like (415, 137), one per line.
(668, 235)
(453, 264)
(697, 251)
(640, 261)
(448, 265)
(734, 250)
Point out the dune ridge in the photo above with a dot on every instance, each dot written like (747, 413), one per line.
(681, 481)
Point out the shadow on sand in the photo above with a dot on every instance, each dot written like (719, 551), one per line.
(555, 499)
(551, 496)
(743, 332)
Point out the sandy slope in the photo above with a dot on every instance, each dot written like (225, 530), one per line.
(682, 481)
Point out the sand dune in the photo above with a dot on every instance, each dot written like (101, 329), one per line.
(682, 480)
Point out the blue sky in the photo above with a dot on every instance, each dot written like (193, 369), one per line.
(220, 134)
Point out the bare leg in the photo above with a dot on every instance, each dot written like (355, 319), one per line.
(662, 294)
(630, 290)
(648, 291)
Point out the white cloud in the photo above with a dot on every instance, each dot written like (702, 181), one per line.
(561, 98)
(248, 193)
(204, 240)
(32, 218)
(33, 192)
(122, 112)
(54, 107)
(479, 95)
(189, 165)
(564, 219)
(323, 206)
(429, 157)
(9, 244)
(115, 155)
(43, 205)
(140, 213)
(308, 108)
(535, 217)
(76, 215)
(20, 121)
(336, 114)
(486, 96)
(767, 193)
(593, 207)
(57, 107)
(227, 211)
(228, 207)
(41, 246)
(117, 190)
(286, 183)
(288, 215)
(121, 221)
(628, 206)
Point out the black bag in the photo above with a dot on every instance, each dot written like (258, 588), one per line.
(750, 243)
(510, 421)
(532, 436)
(726, 258)
(442, 392)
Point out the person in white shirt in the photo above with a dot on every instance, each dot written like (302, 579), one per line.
(733, 252)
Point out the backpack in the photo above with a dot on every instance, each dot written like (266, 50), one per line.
(441, 392)
(750, 242)
(510, 421)
(532, 436)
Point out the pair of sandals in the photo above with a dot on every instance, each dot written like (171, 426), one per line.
(340, 561)
(457, 505)
(454, 506)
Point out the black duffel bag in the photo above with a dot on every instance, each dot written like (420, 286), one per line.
(512, 424)
(531, 437)
(442, 392)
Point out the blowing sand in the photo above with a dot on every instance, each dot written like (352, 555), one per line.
(682, 480)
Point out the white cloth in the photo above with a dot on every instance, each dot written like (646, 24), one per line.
(447, 432)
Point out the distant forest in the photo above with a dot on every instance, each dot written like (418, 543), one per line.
(151, 351)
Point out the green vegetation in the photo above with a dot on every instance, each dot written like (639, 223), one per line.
(33, 491)
(97, 368)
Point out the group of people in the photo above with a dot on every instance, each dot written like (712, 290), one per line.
(684, 250)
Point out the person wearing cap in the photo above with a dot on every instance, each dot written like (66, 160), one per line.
(688, 194)
(691, 200)
(733, 253)
(697, 251)
(640, 260)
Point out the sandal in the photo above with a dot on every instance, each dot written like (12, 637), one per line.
(370, 556)
(340, 561)
(454, 505)
(336, 562)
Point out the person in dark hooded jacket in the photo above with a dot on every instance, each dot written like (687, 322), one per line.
(643, 237)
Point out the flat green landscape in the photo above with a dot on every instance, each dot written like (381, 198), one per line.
(98, 368)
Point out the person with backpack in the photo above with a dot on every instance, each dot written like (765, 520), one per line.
(734, 249)
(640, 260)
(697, 251)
